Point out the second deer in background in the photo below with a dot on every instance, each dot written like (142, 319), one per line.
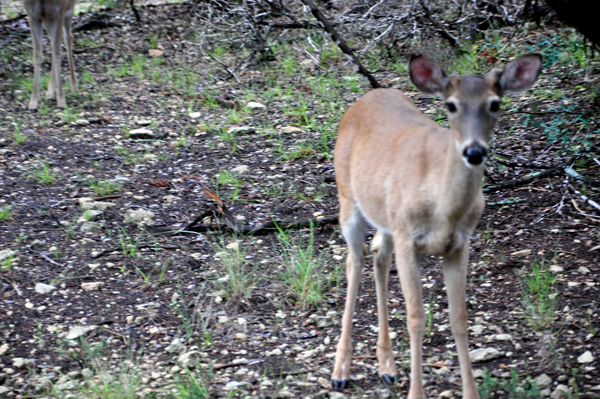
(55, 17)
(419, 185)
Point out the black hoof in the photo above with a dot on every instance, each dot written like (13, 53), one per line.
(389, 379)
(338, 385)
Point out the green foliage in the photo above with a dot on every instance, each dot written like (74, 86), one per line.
(492, 387)
(539, 298)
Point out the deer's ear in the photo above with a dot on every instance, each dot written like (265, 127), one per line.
(426, 75)
(520, 74)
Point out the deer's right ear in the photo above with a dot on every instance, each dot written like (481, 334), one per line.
(520, 74)
(426, 75)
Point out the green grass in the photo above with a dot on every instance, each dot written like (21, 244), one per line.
(5, 212)
(43, 173)
(238, 277)
(491, 387)
(102, 188)
(539, 297)
(304, 273)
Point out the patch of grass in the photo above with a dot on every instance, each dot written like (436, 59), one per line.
(128, 244)
(5, 212)
(239, 278)
(43, 173)
(539, 298)
(104, 187)
(304, 274)
(7, 258)
(18, 135)
(492, 387)
(193, 385)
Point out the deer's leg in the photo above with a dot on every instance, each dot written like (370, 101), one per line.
(353, 228)
(37, 32)
(68, 33)
(383, 246)
(409, 271)
(54, 29)
(455, 276)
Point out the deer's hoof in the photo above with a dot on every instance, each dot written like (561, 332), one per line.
(389, 379)
(339, 385)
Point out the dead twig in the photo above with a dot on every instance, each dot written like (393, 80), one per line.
(339, 40)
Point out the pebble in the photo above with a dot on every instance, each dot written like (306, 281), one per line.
(141, 133)
(194, 115)
(77, 331)
(95, 286)
(42, 288)
(189, 359)
(241, 169)
(586, 357)
(255, 105)
(543, 381)
(141, 217)
(483, 354)
(291, 129)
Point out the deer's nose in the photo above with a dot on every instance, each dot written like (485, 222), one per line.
(475, 154)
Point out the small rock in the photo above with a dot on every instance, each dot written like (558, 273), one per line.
(189, 359)
(6, 254)
(141, 133)
(583, 270)
(87, 373)
(37, 244)
(90, 227)
(560, 392)
(77, 331)
(503, 337)
(476, 330)
(241, 336)
(241, 169)
(4, 391)
(446, 394)
(323, 321)
(155, 52)
(99, 206)
(337, 395)
(291, 129)
(241, 130)
(587, 357)
(144, 122)
(92, 286)
(233, 245)
(483, 354)
(140, 216)
(556, 269)
(255, 105)
(3, 349)
(176, 346)
(42, 288)
(324, 382)
(543, 381)
(276, 352)
(82, 122)
(194, 115)
(169, 199)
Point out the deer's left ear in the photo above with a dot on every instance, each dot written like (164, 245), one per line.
(519, 75)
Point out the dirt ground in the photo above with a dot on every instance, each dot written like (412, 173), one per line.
(160, 306)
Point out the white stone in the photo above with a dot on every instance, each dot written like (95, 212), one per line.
(194, 115)
(560, 392)
(241, 169)
(140, 216)
(556, 269)
(42, 288)
(483, 354)
(77, 331)
(189, 359)
(476, 330)
(95, 286)
(3, 349)
(543, 381)
(141, 133)
(586, 357)
(291, 129)
(255, 105)
(6, 254)
(233, 245)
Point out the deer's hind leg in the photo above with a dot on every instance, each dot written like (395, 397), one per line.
(353, 227)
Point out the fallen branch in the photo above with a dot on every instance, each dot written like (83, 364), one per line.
(316, 12)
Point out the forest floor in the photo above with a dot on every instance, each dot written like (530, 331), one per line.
(120, 277)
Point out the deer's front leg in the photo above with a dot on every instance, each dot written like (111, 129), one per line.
(455, 276)
(382, 246)
(410, 280)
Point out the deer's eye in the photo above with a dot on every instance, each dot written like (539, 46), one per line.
(451, 107)
(495, 106)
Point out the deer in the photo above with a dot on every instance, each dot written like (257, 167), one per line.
(419, 186)
(55, 16)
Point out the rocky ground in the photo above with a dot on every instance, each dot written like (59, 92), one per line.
(120, 275)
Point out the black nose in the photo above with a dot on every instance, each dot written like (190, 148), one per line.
(475, 154)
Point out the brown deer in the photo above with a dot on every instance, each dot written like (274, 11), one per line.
(419, 185)
(54, 16)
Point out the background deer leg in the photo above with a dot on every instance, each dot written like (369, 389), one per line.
(353, 228)
(383, 246)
